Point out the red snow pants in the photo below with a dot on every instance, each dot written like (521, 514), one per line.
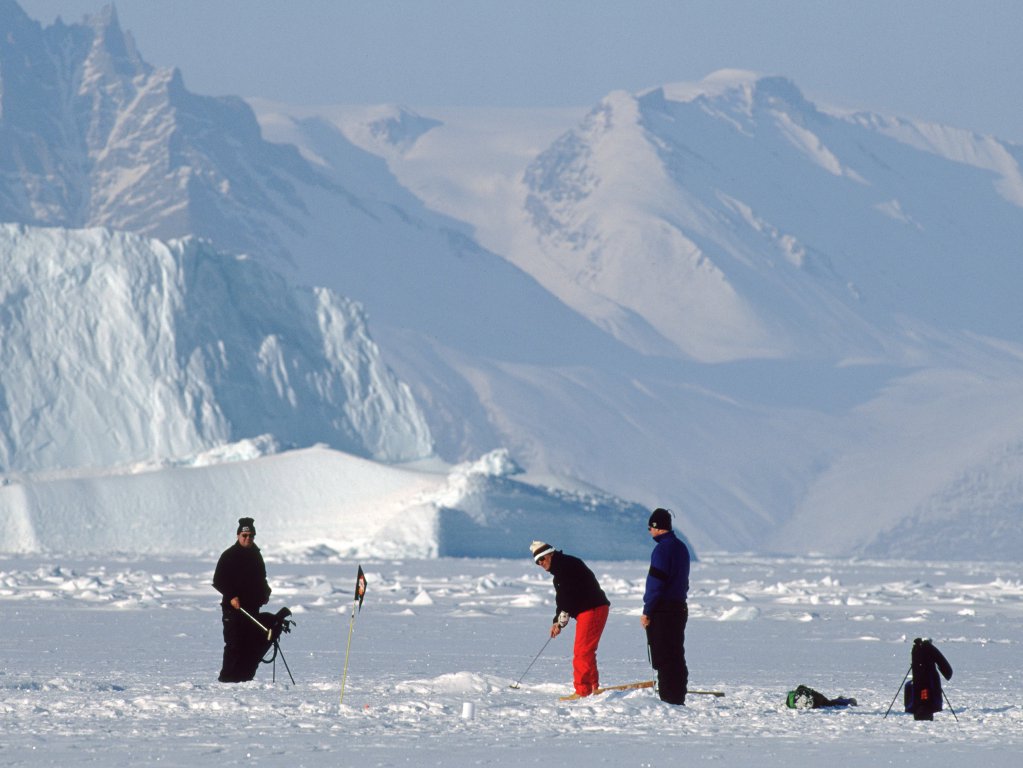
(589, 625)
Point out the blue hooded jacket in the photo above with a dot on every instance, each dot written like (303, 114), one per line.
(667, 582)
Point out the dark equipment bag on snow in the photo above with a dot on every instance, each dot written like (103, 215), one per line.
(923, 695)
(804, 697)
(259, 644)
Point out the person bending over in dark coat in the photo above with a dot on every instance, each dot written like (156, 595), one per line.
(577, 595)
(241, 578)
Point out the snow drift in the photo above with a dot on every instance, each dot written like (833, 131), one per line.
(314, 500)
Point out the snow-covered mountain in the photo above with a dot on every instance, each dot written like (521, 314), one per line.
(172, 164)
(737, 220)
(137, 152)
(716, 297)
(94, 136)
(791, 279)
(123, 355)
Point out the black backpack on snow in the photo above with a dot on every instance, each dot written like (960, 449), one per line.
(804, 697)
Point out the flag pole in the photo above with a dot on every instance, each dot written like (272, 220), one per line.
(344, 676)
(359, 594)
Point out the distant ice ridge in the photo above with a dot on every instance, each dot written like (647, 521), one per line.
(158, 350)
(243, 450)
(485, 502)
(316, 502)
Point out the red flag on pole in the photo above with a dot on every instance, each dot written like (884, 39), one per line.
(360, 587)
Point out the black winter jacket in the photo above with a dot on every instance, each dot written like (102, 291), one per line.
(241, 573)
(575, 587)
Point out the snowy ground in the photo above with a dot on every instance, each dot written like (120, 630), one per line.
(113, 662)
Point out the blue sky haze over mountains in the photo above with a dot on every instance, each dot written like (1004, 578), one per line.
(796, 324)
(945, 61)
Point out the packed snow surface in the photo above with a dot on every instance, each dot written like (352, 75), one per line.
(113, 661)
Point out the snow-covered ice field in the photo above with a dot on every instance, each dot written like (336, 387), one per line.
(113, 662)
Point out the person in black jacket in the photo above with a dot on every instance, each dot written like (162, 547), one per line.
(577, 595)
(926, 662)
(241, 578)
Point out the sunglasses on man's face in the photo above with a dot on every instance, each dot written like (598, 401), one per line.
(247, 535)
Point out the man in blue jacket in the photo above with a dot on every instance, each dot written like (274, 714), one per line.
(665, 610)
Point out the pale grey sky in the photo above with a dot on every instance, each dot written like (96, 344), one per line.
(952, 61)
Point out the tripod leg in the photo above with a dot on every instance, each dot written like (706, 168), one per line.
(950, 706)
(897, 692)
(285, 662)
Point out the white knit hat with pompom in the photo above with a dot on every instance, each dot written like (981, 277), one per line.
(539, 549)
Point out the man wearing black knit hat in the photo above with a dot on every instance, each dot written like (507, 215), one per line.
(241, 578)
(665, 610)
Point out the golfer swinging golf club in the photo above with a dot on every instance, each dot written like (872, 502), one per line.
(577, 595)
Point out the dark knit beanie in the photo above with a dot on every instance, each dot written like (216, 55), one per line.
(246, 525)
(660, 519)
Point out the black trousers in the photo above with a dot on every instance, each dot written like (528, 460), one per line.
(244, 646)
(666, 639)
